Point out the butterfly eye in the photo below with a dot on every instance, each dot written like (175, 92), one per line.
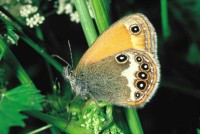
(135, 29)
(121, 58)
(141, 85)
(138, 59)
(145, 66)
(142, 75)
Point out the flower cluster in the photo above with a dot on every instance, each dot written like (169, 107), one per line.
(36, 20)
(33, 18)
(94, 120)
(69, 9)
(113, 130)
(26, 10)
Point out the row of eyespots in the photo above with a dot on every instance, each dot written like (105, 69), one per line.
(142, 76)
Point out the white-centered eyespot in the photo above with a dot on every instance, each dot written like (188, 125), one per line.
(135, 29)
(140, 85)
(145, 66)
(138, 59)
(142, 75)
(122, 58)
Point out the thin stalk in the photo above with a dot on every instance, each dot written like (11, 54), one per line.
(41, 51)
(14, 64)
(62, 124)
(131, 114)
(133, 121)
(40, 129)
(101, 15)
(41, 37)
(164, 19)
(10, 16)
(86, 21)
(194, 92)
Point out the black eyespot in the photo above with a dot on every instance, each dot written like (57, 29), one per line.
(121, 58)
(142, 75)
(137, 95)
(145, 66)
(139, 59)
(141, 85)
(135, 29)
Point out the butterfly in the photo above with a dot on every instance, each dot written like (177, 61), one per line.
(121, 67)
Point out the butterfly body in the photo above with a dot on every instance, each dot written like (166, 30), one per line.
(121, 67)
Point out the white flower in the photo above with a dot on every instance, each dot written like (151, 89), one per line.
(61, 6)
(75, 17)
(26, 10)
(68, 8)
(36, 20)
(30, 22)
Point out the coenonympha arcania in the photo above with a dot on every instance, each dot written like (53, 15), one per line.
(121, 67)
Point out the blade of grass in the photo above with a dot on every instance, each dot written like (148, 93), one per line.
(71, 128)
(133, 121)
(131, 114)
(41, 51)
(14, 64)
(164, 19)
(41, 37)
(40, 129)
(86, 21)
(101, 15)
(102, 24)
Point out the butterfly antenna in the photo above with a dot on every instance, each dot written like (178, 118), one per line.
(53, 55)
(70, 54)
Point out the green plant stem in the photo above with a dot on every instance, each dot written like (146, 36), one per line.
(71, 128)
(194, 92)
(133, 121)
(14, 64)
(40, 129)
(131, 114)
(86, 21)
(41, 51)
(164, 19)
(2, 50)
(41, 37)
(101, 15)
(10, 16)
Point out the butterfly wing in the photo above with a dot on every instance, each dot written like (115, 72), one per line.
(101, 76)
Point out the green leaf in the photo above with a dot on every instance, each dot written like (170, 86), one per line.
(14, 101)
